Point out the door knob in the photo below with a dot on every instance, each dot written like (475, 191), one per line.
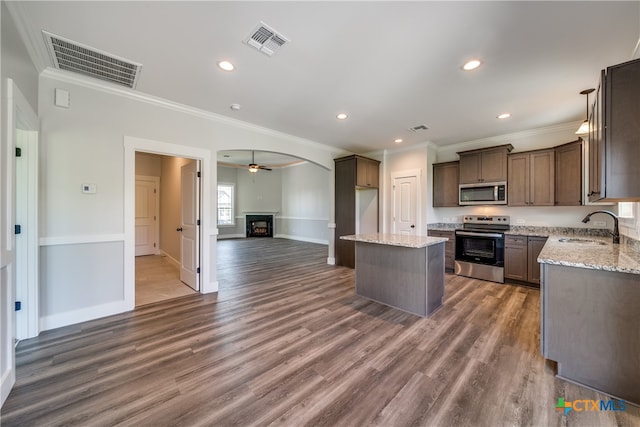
(179, 229)
(413, 226)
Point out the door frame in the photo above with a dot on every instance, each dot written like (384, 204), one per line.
(156, 181)
(207, 232)
(416, 173)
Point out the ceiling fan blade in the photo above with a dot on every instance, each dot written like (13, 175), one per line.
(264, 168)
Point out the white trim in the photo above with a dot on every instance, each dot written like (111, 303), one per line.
(506, 138)
(82, 315)
(171, 259)
(231, 236)
(302, 218)
(301, 239)
(207, 266)
(81, 239)
(331, 225)
(80, 80)
(331, 260)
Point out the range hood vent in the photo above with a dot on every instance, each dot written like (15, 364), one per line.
(266, 39)
(78, 58)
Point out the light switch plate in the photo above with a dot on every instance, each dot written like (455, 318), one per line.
(599, 223)
(62, 98)
(89, 188)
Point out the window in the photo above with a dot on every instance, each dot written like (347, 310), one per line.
(625, 210)
(226, 214)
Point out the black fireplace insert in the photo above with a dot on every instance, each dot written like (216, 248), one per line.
(259, 225)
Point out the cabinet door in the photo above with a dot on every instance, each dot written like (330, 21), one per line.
(515, 262)
(535, 245)
(470, 168)
(569, 174)
(595, 146)
(493, 165)
(445, 184)
(345, 211)
(449, 247)
(541, 181)
(622, 132)
(518, 183)
(367, 174)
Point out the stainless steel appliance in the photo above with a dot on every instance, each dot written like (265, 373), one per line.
(480, 247)
(484, 193)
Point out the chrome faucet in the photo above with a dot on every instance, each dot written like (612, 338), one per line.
(616, 233)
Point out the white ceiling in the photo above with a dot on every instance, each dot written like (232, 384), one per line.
(389, 65)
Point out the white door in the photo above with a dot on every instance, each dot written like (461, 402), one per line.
(189, 219)
(146, 216)
(405, 205)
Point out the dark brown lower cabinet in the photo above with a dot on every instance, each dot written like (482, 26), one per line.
(520, 258)
(449, 247)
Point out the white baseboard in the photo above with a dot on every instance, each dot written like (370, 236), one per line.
(230, 236)
(302, 239)
(210, 288)
(171, 259)
(331, 260)
(83, 314)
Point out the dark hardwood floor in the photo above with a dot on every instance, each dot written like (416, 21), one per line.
(287, 342)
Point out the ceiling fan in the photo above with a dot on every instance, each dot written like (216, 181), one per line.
(253, 167)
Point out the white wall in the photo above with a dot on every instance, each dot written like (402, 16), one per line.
(300, 197)
(306, 203)
(85, 144)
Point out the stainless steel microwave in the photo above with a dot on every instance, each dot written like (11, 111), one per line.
(483, 193)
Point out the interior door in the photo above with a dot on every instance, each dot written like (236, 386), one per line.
(405, 205)
(189, 219)
(146, 216)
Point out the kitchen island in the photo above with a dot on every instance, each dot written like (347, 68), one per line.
(590, 312)
(405, 272)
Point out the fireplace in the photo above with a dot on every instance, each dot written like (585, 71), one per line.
(259, 225)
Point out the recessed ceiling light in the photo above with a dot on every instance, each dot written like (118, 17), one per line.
(397, 140)
(235, 107)
(341, 116)
(226, 66)
(504, 116)
(471, 65)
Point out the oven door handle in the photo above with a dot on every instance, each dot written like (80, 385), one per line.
(472, 234)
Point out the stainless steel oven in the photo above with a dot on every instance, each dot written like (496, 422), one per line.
(480, 247)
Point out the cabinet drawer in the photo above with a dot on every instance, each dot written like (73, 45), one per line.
(515, 240)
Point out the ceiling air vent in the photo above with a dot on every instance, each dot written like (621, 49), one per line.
(266, 39)
(75, 57)
(418, 128)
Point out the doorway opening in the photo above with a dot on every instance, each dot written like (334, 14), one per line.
(166, 213)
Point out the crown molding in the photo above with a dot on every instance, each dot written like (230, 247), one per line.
(507, 138)
(113, 89)
(33, 44)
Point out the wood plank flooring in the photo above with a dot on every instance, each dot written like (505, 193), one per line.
(158, 279)
(287, 342)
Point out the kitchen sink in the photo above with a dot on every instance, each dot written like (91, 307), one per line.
(584, 241)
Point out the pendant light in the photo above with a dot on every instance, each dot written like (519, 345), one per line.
(584, 127)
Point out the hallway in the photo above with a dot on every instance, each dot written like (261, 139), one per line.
(157, 279)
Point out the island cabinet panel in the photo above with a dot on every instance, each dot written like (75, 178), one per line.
(484, 165)
(589, 325)
(614, 140)
(347, 172)
(531, 178)
(534, 247)
(411, 279)
(445, 184)
(568, 179)
(449, 247)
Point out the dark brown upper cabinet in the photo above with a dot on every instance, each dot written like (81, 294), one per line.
(445, 184)
(531, 178)
(569, 174)
(614, 135)
(484, 165)
(367, 172)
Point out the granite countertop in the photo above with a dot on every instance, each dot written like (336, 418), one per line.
(415, 242)
(609, 257)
